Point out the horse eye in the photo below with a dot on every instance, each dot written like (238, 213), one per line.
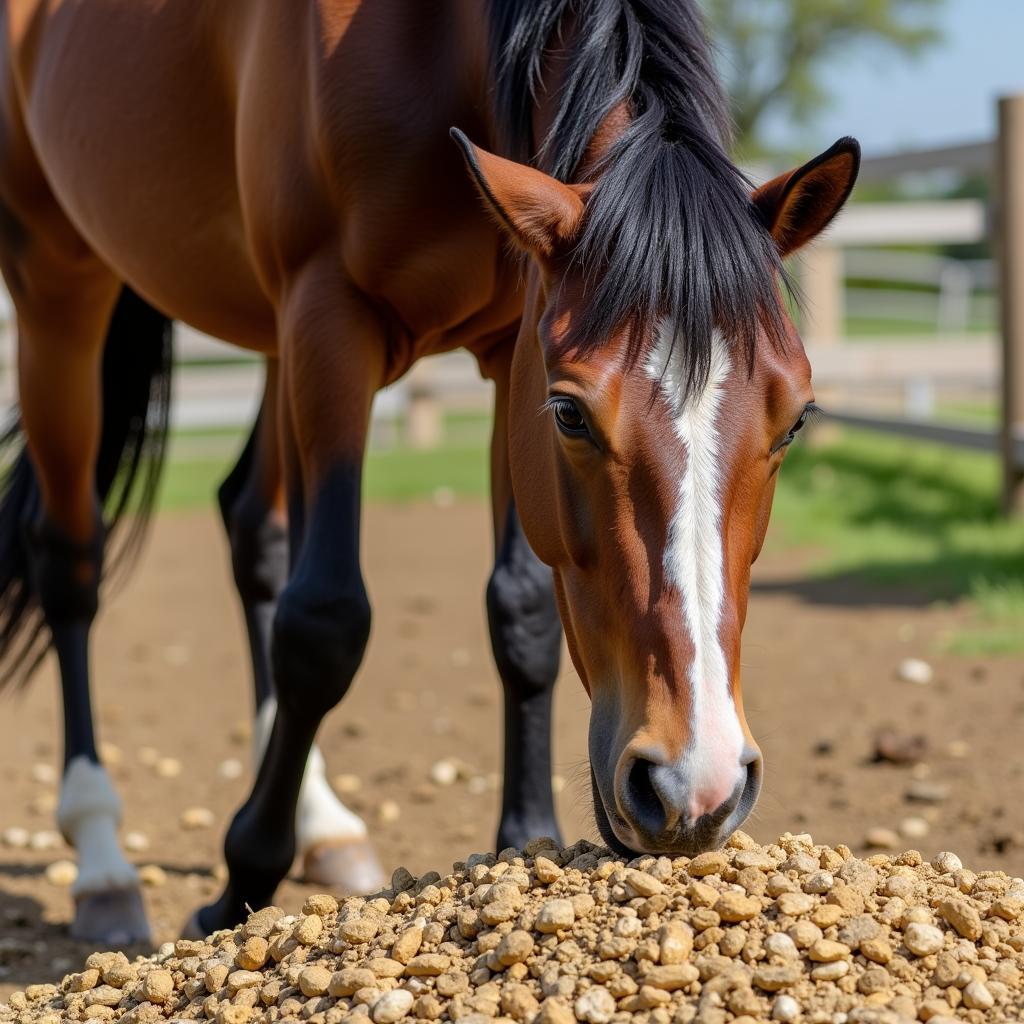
(568, 417)
(800, 422)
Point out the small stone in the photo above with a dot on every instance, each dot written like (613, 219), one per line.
(772, 977)
(229, 1013)
(359, 930)
(642, 883)
(781, 945)
(321, 903)
(111, 754)
(670, 977)
(104, 995)
(881, 839)
(314, 980)
(84, 981)
(922, 939)
(514, 948)
(388, 812)
(734, 906)
(831, 971)
(427, 965)
(392, 1006)
(714, 862)
(825, 951)
(554, 916)
(238, 980)
(946, 862)
(876, 950)
(962, 916)
(262, 922)
(675, 943)
(152, 876)
(308, 930)
(43, 773)
(914, 828)
(818, 882)
(62, 873)
(1009, 908)
(595, 1006)
(253, 954)
(915, 670)
(167, 768)
(347, 783)
(46, 839)
(547, 871)
(230, 768)
(926, 791)
(785, 1009)
(444, 772)
(554, 1011)
(977, 996)
(157, 986)
(136, 842)
(793, 904)
(519, 1003)
(15, 838)
(407, 945)
(195, 818)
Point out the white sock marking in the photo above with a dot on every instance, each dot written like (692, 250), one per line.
(694, 563)
(88, 814)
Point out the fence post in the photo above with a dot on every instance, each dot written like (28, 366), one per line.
(1010, 245)
(821, 281)
(423, 419)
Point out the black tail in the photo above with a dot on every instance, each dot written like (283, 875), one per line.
(136, 407)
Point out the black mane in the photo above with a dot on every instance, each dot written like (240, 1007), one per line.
(670, 229)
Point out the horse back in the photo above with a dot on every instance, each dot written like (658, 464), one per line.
(205, 151)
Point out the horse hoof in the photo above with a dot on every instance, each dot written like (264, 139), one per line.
(113, 919)
(347, 866)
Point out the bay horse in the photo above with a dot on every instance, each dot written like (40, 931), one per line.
(280, 175)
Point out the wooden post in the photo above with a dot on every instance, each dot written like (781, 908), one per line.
(821, 280)
(1010, 246)
(424, 425)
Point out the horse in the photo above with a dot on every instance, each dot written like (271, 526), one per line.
(281, 176)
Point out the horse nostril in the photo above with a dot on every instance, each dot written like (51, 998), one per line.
(643, 802)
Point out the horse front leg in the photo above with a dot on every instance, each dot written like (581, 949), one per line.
(333, 847)
(332, 364)
(526, 638)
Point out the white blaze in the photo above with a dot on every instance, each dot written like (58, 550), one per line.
(694, 564)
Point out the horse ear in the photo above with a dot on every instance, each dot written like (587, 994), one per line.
(798, 205)
(540, 213)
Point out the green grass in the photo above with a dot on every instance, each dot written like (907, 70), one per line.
(866, 328)
(920, 518)
(394, 474)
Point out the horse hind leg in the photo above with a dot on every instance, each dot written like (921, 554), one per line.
(333, 847)
(75, 444)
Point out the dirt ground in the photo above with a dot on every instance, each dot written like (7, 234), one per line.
(820, 681)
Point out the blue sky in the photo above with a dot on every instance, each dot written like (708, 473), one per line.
(946, 96)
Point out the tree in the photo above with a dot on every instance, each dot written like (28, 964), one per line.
(775, 50)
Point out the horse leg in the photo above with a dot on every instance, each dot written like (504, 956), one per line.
(333, 845)
(322, 622)
(60, 351)
(526, 638)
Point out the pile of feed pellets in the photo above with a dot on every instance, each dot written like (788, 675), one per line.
(791, 931)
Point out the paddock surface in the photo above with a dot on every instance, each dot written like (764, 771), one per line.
(820, 682)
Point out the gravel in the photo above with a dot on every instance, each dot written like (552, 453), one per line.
(791, 932)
